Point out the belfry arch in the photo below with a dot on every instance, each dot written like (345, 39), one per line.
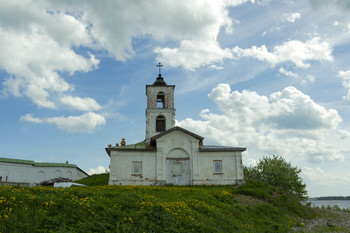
(161, 100)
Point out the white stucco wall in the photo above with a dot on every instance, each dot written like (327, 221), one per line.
(27, 173)
(121, 168)
(232, 172)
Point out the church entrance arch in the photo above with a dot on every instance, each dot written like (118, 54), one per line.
(178, 168)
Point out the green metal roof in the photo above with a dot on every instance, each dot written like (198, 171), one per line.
(7, 160)
(35, 164)
(54, 165)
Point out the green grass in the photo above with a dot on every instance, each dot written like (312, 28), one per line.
(251, 208)
(95, 180)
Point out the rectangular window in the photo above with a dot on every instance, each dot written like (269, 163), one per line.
(177, 169)
(137, 167)
(217, 166)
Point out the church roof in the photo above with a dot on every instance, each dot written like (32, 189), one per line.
(176, 128)
(141, 146)
(208, 148)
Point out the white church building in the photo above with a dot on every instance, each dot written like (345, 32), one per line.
(171, 154)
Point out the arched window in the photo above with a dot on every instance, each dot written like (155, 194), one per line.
(160, 100)
(160, 124)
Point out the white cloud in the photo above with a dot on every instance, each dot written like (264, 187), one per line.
(287, 73)
(287, 122)
(83, 104)
(193, 54)
(345, 75)
(30, 118)
(251, 163)
(38, 39)
(318, 176)
(195, 21)
(293, 51)
(97, 170)
(315, 175)
(309, 79)
(290, 17)
(36, 45)
(85, 123)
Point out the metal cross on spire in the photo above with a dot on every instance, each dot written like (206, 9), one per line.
(159, 65)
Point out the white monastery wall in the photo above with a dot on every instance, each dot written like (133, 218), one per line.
(121, 170)
(27, 173)
(231, 168)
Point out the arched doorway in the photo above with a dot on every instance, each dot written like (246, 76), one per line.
(178, 167)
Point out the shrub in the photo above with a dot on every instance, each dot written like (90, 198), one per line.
(276, 171)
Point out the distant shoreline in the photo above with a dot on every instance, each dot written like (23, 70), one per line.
(330, 198)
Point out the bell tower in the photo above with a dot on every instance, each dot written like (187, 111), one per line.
(160, 112)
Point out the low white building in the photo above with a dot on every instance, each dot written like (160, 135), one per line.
(169, 154)
(28, 172)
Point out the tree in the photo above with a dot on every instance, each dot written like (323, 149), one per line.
(276, 171)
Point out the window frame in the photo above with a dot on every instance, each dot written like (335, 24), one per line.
(214, 166)
(134, 163)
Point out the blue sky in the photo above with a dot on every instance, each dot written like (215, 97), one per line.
(272, 76)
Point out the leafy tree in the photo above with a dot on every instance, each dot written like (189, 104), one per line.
(276, 171)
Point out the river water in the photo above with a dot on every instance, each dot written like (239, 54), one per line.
(342, 204)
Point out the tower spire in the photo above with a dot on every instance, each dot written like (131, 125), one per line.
(160, 80)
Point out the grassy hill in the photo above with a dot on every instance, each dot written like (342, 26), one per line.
(101, 208)
(95, 180)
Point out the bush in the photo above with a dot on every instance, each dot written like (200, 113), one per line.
(276, 171)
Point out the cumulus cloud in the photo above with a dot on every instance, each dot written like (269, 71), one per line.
(146, 18)
(97, 170)
(294, 51)
(193, 54)
(314, 174)
(83, 104)
(287, 73)
(287, 122)
(39, 40)
(85, 123)
(345, 75)
(318, 176)
(35, 46)
(290, 17)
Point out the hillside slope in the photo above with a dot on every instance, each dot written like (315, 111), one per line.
(250, 208)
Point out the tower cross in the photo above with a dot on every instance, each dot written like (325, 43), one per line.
(159, 65)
